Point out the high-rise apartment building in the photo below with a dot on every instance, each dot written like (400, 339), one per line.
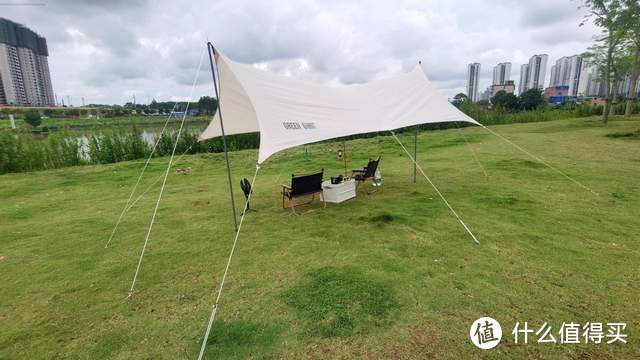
(524, 78)
(473, 73)
(626, 87)
(501, 73)
(588, 74)
(554, 75)
(532, 74)
(537, 71)
(24, 70)
(566, 72)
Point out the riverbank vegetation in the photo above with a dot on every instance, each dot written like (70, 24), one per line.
(120, 139)
(20, 152)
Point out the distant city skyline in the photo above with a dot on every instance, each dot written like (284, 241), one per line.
(578, 76)
(108, 51)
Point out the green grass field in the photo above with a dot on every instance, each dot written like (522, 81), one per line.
(387, 275)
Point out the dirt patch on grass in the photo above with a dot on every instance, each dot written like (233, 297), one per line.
(341, 302)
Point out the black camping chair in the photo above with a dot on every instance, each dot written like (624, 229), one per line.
(303, 185)
(245, 185)
(368, 172)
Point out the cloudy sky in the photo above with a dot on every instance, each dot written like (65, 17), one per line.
(107, 51)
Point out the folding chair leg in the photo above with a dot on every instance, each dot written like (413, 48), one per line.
(324, 203)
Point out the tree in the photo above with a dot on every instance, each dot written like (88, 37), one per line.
(483, 103)
(32, 117)
(531, 99)
(632, 18)
(459, 99)
(608, 14)
(505, 100)
(622, 65)
(208, 105)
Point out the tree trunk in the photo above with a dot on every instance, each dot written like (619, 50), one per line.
(635, 76)
(607, 81)
(614, 94)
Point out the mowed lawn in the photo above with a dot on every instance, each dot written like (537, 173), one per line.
(387, 275)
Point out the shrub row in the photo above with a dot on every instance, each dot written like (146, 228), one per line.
(20, 152)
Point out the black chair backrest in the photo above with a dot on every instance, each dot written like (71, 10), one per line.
(306, 184)
(245, 185)
(371, 168)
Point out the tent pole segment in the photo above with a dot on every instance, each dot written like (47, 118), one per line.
(211, 50)
(344, 156)
(415, 147)
(415, 154)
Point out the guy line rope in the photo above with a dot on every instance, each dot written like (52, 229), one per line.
(144, 168)
(471, 148)
(166, 174)
(133, 203)
(540, 160)
(214, 307)
(435, 188)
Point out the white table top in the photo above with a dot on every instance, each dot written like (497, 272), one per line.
(329, 185)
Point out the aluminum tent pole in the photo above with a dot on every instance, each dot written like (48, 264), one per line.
(211, 51)
(415, 147)
(344, 157)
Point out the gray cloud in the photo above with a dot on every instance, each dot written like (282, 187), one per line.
(108, 50)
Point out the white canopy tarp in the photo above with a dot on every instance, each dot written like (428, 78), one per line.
(289, 112)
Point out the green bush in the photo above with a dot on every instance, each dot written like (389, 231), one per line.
(32, 117)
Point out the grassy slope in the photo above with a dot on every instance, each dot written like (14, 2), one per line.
(391, 274)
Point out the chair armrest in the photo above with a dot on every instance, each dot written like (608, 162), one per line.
(285, 186)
